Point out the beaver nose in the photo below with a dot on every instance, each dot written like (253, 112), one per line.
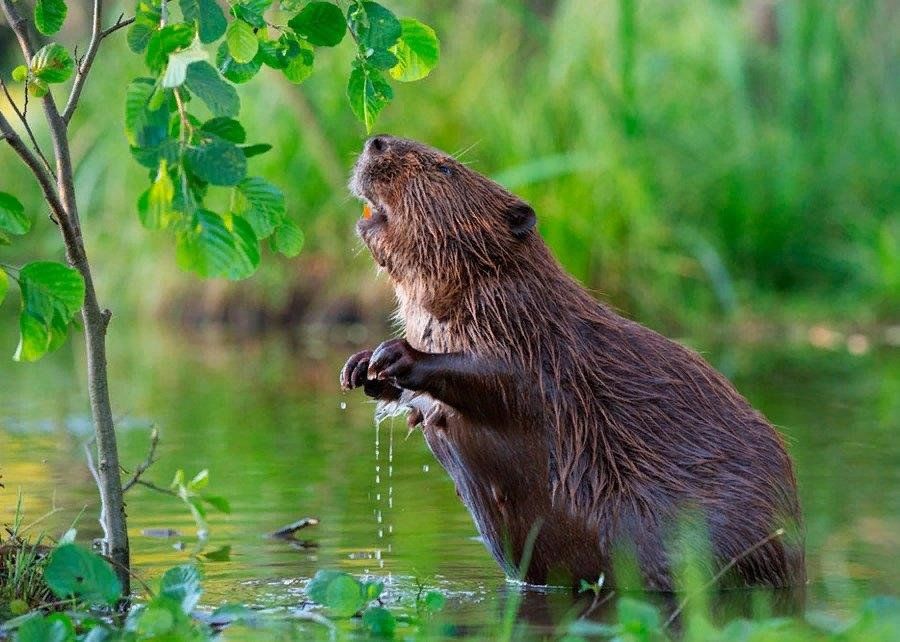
(378, 144)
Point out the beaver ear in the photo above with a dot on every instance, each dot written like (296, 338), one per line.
(521, 218)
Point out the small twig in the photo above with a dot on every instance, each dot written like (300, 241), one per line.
(158, 489)
(24, 121)
(121, 23)
(145, 586)
(596, 603)
(718, 576)
(84, 65)
(144, 465)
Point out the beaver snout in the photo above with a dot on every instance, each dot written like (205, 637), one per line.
(378, 144)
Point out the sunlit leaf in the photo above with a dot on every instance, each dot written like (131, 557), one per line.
(434, 601)
(76, 571)
(182, 584)
(177, 67)
(233, 70)
(156, 210)
(417, 51)
(242, 42)
(299, 62)
(52, 63)
(51, 295)
(209, 17)
(4, 284)
(20, 73)
(205, 82)
(49, 15)
(13, 219)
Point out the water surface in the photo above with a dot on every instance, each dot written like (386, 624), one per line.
(282, 442)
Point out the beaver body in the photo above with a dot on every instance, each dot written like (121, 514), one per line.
(555, 416)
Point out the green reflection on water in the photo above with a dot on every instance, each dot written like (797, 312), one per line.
(282, 442)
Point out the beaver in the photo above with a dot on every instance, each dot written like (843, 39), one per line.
(571, 432)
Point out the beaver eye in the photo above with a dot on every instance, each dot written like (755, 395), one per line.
(446, 170)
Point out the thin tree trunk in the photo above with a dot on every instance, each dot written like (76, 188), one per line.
(65, 209)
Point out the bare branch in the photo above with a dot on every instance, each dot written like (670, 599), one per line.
(158, 489)
(144, 465)
(19, 24)
(121, 22)
(24, 121)
(43, 178)
(84, 65)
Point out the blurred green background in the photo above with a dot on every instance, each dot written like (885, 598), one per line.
(692, 161)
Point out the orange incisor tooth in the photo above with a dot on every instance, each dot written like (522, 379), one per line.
(367, 211)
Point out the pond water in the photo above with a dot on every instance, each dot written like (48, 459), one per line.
(282, 443)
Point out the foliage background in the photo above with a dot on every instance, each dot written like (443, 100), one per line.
(689, 160)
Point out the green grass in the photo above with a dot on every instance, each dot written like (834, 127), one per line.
(683, 161)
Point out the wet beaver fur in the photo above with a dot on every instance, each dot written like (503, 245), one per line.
(549, 410)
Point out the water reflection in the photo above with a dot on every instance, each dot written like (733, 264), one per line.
(282, 443)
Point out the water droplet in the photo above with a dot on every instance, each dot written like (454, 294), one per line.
(343, 405)
(425, 468)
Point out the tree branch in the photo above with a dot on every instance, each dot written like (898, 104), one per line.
(24, 121)
(121, 22)
(84, 65)
(43, 178)
(144, 465)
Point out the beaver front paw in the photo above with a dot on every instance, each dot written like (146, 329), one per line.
(353, 375)
(398, 362)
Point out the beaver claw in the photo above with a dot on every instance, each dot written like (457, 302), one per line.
(395, 361)
(353, 375)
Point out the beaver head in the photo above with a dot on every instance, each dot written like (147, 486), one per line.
(433, 221)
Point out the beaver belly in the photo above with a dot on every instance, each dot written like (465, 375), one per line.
(507, 496)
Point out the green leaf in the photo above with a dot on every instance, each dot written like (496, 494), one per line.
(251, 12)
(205, 82)
(379, 621)
(376, 27)
(200, 480)
(246, 244)
(20, 73)
(321, 23)
(368, 92)
(49, 16)
(12, 215)
(417, 51)
(341, 593)
(255, 150)
(156, 209)
(288, 239)
(227, 128)
(221, 554)
(217, 162)
(168, 39)
(38, 88)
(209, 17)
(233, 70)
(219, 503)
(434, 601)
(154, 620)
(210, 248)
(182, 584)
(373, 590)
(242, 42)
(264, 205)
(51, 295)
(636, 616)
(76, 571)
(52, 63)
(179, 61)
(299, 64)
(54, 628)
(4, 284)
